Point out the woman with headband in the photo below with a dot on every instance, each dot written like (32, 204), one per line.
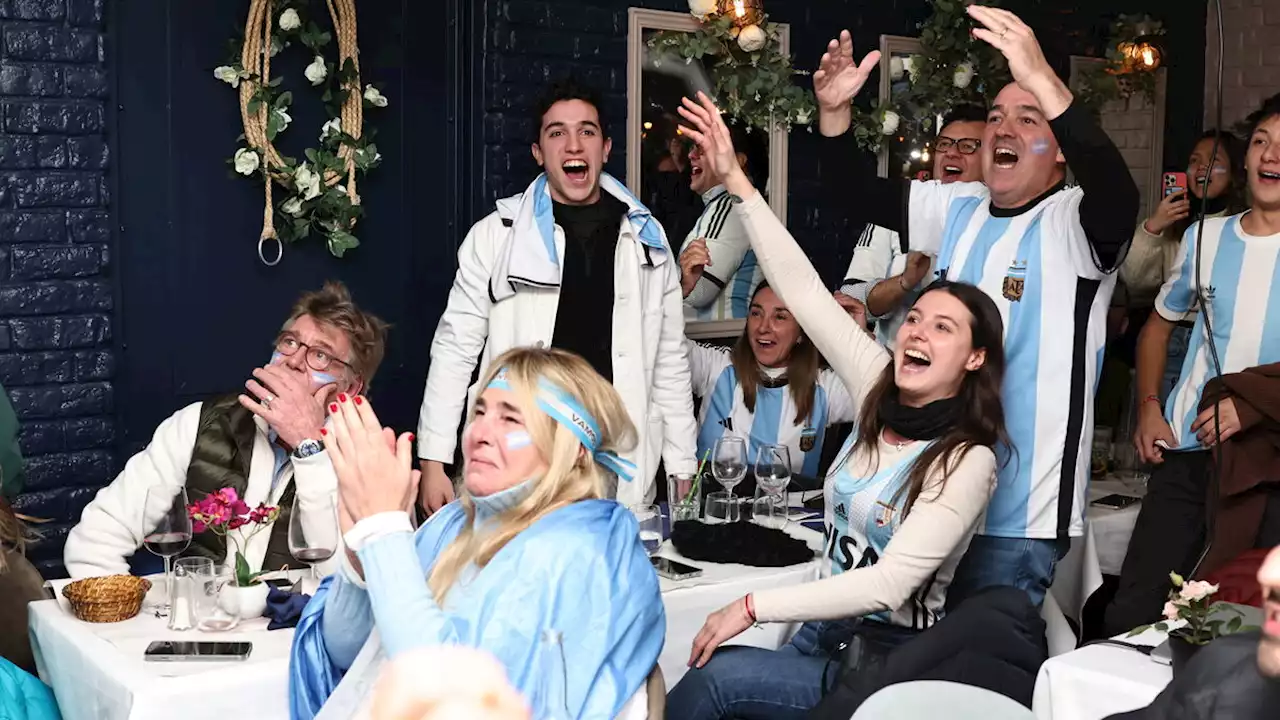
(530, 546)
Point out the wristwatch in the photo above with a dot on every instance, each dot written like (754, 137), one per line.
(307, 448)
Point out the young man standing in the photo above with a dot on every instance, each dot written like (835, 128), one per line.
(1233, 282)
(1046, 253)
(883, 275)
(574, 262)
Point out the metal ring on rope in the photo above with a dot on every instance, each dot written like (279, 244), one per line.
(256, 58)
(262, 241)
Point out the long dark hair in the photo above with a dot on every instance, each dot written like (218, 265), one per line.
(981, 421)
(1234, 197)
(803, 366)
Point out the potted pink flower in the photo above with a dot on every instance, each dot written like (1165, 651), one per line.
(1198, 621)
(225, 514)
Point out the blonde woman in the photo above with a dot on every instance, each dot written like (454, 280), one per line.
(530, 546)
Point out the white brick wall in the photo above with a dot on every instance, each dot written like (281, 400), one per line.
(1251, 72)
(1132, 125)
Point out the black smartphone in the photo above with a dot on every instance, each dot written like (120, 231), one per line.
(672, 570)
(1116, 501)
(283, 583)
(168, 650)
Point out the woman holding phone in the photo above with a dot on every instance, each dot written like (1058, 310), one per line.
(902, 499)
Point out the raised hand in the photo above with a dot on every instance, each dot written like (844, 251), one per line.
(836, 82)
(1007, 33)
(374, 468)
(693, 260)
(706, 128)
(286, 400)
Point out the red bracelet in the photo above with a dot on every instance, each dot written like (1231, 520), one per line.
(751, 611)
(1152, 398)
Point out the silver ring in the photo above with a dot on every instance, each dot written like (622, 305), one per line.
(1002, 32)
(266, 401)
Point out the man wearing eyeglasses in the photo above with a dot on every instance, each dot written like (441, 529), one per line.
(265, 444)
(883, 276)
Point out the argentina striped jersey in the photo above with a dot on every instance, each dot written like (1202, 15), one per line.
(773, 422)
(1239, 275)
(733, 266)
(1036, 263)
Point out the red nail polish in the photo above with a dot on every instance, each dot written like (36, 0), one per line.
(323, 431)
(342, 397)
(410, 437)
(359, 400)
(333, 407)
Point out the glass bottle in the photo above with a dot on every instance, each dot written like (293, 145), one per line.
(551, 702)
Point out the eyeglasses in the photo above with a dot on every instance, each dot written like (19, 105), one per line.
(966, 146)
(318, 359)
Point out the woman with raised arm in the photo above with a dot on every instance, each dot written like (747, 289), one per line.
(529, 549)
(904, 496)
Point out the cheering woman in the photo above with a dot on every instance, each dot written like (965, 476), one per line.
(530, 547)
(902, 499)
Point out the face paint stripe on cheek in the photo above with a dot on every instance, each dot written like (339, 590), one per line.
(518, 439)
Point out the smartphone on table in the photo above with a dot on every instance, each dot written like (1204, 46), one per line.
(672, 570)
(173, 651)
(1116, 501)
(1175, 182)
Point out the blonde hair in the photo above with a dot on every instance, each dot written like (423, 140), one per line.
(571, 475)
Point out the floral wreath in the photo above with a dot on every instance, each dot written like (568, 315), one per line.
(752, 79)
(938, 79)
(321, 188)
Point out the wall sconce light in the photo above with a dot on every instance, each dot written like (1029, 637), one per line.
(743, 12)
(1144, 54)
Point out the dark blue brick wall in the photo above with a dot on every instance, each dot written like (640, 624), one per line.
(56, 294)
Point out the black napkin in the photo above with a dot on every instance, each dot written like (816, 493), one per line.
(744, 543)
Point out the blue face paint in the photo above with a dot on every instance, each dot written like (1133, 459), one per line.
(319, 379)
(518, 439)
(1040, 146)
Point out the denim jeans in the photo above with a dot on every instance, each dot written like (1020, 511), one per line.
(748, 682)
(1024, 563)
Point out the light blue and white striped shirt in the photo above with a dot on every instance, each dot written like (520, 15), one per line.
(773, 422)
(1239, 278)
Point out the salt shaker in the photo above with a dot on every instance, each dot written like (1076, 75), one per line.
(180, 613)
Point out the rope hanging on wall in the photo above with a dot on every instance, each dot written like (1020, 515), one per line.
(256, 60)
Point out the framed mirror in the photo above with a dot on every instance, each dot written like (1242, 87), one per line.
(659, 170)
(896, 157)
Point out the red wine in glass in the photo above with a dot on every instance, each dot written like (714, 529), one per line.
(166, 530)
(167, 544)
(313, 555)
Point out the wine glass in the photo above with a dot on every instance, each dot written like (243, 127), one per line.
(729, 462)
(169, 535)
(650, 519)
(773, 469)
(314, 538)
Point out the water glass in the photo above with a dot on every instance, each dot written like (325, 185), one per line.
(650, 520)
(722, 508)
(189, 577)
(684, 497)
(204, 588)
(773, 468)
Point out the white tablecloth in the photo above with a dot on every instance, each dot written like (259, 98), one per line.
(97, 670)
(1098, 681)
(689, 602)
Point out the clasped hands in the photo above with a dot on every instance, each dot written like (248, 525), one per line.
(374, 466)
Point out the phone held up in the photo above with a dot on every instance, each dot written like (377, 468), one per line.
(1174, 182)
(170, 651)
(672, 570)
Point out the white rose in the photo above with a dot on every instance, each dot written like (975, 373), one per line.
(1170, 610)
(289, 20)
(246, 161)
(228, 75)
(307, 182)
(896, 69)
(702, 8)
(374, 97)
(292, 206)
(752, 38)
(1197, 590)
(284, 119)
(316, 71)
(889, 124)
(963, 75)
(804, 117)
(333, 126)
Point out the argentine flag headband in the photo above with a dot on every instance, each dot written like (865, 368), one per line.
(562, 408)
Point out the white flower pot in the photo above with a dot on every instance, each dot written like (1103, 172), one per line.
(244, 602)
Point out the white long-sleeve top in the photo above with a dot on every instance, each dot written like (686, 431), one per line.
(928, 543)
(112, 526)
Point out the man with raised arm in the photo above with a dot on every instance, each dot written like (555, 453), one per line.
(1046, 253)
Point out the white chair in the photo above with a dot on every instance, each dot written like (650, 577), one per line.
(929, 699)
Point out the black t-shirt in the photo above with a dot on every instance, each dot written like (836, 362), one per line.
(584, 318)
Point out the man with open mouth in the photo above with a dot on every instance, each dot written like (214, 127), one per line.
(883, 275)
(578, 263)
(719, 271)
(1046, 253)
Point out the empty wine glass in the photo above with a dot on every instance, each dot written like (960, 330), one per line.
(650, 519)
(729, 462)
(313, 536)
(773, 469)
(166, 531)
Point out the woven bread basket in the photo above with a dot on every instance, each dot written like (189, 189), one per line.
(106, 599)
